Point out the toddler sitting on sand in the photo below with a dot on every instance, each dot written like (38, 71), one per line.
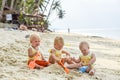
(87, 59)
(36, 59)
(57, 54)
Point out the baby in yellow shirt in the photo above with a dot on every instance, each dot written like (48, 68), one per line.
(86, 59)
(35, 54)
(58, 55)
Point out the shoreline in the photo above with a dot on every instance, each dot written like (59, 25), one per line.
(110, 33)
(79, 34)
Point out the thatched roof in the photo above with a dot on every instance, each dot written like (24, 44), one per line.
(10, 10)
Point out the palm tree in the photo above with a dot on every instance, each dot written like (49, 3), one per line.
(50, 10)
(47, 2)
(56, 5)
(58, 8)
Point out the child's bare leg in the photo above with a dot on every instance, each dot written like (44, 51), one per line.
(38, 66)
(51, 60)
(69, 61)
(88, 69)
(73, 66)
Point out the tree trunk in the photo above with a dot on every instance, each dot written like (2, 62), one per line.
(38, 7)
(50, 10)
(46, 7)
(24, 6)
(2, 8)
(11, 6)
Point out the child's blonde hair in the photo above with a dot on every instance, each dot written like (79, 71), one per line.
(58, 40)
(33, 37)
(84, 43)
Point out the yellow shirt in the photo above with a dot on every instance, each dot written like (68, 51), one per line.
(85, 59)
(58, 53)
(38, 55)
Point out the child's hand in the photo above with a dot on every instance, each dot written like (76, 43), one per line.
(36, 53)
(63, 56)
(89, 64)
(81, 63)
(52, 51)
(73, 58)
(67, 56)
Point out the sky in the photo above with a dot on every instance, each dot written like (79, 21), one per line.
(88, 14)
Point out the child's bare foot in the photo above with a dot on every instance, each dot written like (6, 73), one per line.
(92, 72)
(39, 67)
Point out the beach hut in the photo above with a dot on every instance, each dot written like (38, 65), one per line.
(8, 11)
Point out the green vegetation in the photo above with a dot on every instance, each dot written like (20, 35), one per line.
(36, 7)
(0, 3)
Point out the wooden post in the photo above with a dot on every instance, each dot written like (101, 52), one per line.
(11, 6)
(3, 4)
(2, 8)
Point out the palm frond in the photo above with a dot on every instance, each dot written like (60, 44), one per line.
(61, 14)
(56, 5)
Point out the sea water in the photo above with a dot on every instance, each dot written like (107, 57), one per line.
(113, 33)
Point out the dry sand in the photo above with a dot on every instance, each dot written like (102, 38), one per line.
(13, 57)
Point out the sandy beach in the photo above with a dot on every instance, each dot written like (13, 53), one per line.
(13, 56)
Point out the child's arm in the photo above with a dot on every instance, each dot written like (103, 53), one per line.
(92, 60)
(42, 56)
(67, 54)
(30, 54)
(41, 52)
(76, 60)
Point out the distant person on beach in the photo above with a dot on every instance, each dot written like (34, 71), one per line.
(22, 27)
(58, 55)
(68, 30)
(86, 59)
(36, 59)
